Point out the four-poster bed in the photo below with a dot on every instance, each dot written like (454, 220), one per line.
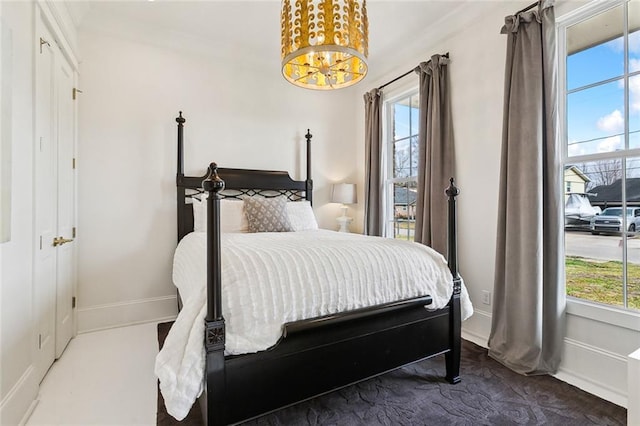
(316, 355)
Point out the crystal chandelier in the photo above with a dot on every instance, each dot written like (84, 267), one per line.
(324, 42)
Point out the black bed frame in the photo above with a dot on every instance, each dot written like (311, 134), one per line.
(313, 356)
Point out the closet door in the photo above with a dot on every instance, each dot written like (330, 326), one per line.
(54, 202)
(45, 202)
(65, 251)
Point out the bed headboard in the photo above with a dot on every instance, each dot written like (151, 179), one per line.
(238, 183)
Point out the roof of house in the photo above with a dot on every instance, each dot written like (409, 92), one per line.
(401, 196)
(577, 171)
(613, 192)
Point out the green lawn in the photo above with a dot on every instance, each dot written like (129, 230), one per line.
(401, 228)
(601, 281)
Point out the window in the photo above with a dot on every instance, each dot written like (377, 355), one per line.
(599, 87)
(401, 174)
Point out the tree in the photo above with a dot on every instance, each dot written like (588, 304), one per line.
(603, 172)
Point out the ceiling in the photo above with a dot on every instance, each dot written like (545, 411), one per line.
(254, 26)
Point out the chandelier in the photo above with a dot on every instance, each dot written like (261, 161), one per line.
(324, 42)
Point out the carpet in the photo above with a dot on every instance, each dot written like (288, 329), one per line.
(489, 394)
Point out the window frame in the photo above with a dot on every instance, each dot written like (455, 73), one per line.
(617, 315)
(388, 154)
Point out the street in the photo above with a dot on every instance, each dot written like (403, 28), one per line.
(601, 247)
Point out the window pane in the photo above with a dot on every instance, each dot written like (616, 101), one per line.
(634, 110)
(401, 159)
(633, 241)
(634, 81)
(593, 238)
(595, 49)
(634, 36)
(415, 114)
(404, 204)
(414, 156)
(402, 167)
(595, 119)
(401, 125)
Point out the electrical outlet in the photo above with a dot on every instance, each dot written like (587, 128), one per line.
(486, 297)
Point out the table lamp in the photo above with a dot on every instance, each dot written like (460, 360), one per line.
(344, 193)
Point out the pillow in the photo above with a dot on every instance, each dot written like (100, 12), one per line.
(232, 217)
(267, 214)
(301, 216)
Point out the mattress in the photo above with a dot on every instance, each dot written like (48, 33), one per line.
(269, 279)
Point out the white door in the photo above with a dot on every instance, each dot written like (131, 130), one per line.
(45, 203)
(54, 201)
(66, 205)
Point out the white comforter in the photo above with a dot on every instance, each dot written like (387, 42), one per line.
(270, 279)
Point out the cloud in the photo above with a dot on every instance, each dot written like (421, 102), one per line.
(611, 144)
(634, 86)
(617, 44)
(634, 89)
(611, 123)
(575, 149)
(634, 42)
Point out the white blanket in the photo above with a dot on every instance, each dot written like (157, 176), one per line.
(269, 279)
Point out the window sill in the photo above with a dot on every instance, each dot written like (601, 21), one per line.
(602, 313)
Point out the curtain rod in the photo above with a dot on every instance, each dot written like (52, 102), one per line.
(531, 6)
(446, 55)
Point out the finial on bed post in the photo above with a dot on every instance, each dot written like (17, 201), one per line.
(309, 181)
(452, 256)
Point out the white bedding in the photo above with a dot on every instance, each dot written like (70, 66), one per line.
(269, 279)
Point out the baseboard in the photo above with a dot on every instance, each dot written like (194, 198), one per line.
(18, 404)
(157, 309)
(476, 329)
(608, 381)
(633, 369)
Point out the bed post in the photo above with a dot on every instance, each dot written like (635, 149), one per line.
(309, 182)
(452, 358)
(214, 321)
(180, 176)
(180, 193)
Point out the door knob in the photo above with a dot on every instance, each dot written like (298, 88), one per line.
(58, 241)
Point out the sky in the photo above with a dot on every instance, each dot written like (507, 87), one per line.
(595, 116)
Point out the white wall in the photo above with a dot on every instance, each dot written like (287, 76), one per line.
(18, 385)
(239, 114)
(595, 351)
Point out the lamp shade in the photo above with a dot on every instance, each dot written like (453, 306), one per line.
(344, 193)
(324, 42)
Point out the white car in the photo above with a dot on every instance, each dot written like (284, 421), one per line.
(610, 220)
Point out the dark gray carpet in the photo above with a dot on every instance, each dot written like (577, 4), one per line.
(489, 394)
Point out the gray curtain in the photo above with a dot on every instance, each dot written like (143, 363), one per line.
(373, 147)
(527, 327)
(436, 153)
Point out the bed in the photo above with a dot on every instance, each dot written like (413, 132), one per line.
(310, 356)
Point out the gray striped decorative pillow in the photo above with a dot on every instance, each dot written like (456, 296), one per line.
(267, 214)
